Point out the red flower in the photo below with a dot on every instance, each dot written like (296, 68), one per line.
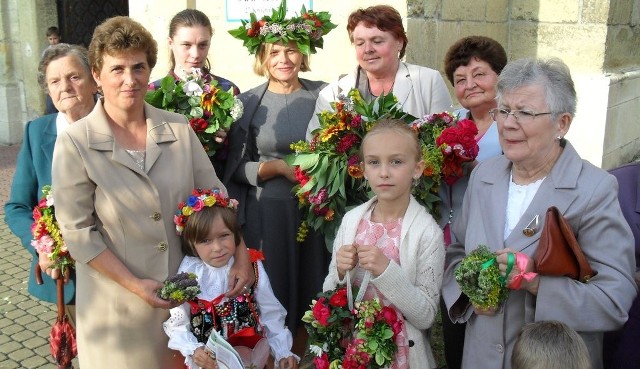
(321, 312)
(339, 299)
(321, 362)
(301, 176)
(198, 124)
(346, 142)
(458, 145)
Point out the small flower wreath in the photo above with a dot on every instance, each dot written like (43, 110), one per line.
(197, 201)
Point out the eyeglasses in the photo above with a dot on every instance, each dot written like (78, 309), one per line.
(521, 116)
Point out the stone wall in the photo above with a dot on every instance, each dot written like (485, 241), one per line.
(598, 39)
(23, 26)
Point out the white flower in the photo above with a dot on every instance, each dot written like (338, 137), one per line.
(181, 73)
(316, 350)
(192, 88)
(49, 199)
(237, 110)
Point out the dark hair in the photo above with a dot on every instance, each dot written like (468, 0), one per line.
(58, 51)
(189, 18)
(198, 226)
(384, 17)
(53, 30)
(395, 125)
(481, 47)
(121, 34)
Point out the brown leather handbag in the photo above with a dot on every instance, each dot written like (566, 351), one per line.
(558, 253)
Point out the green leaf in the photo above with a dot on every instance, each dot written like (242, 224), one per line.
(304, 161)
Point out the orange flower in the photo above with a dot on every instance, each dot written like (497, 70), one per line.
(428, 171)
(355, 171)
(329, 215)
(209, 99)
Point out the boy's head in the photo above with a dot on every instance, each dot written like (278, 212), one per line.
(208, 226)
(53, 35)
(549, 345)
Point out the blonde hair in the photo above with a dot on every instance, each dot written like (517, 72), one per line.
(263, 54)
(549, 345)
(394, 125)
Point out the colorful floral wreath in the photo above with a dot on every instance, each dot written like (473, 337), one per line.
(305, 30)
(197, 201)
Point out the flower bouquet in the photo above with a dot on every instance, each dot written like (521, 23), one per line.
(180, 287)
(208, 107)
(328, 170)
(362, 338)
(46, 233)
(479, 278)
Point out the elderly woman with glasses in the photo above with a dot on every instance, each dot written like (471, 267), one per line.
(539, 169)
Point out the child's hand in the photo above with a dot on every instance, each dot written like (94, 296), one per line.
(346, 259)
(372, 259)
(288, 363)
(204, 359)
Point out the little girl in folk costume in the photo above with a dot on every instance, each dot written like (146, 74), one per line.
(391, 246)
(210, 233)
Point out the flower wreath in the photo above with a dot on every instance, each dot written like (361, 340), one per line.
(197, 201)
(305, 30)
(361, 338)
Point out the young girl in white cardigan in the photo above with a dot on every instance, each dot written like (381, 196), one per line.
(392, 242)
(210, 233)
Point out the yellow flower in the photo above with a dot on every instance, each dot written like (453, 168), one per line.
(187, 210)
(209, 201)
(209, 99)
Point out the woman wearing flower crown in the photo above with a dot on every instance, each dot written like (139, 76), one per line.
(276, 113)
(190, 34)
(209, 237)
(380, 42)
(118, 173)
(390, 247)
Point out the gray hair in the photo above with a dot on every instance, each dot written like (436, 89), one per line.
(552, 74)
(60, 51)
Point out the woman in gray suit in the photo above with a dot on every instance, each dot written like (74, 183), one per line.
(540, 169)
(117, 175)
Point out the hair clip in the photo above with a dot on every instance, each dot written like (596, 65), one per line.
(532, 227)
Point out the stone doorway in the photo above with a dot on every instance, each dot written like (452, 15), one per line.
(78, 18)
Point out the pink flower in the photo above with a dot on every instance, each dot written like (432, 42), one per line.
(321, 362)
(198, 205)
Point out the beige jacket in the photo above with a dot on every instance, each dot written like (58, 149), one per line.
(105, 201)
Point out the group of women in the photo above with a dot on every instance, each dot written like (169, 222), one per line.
(121, 169)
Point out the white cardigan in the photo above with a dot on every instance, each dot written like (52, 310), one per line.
(420, 91)
(414, 285)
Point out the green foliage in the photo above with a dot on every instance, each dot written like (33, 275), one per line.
(480, 280)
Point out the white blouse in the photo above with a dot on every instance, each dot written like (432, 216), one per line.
(213, 282)
(518, 201)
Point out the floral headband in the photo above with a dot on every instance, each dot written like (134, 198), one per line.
(305, 30)
(197, 201)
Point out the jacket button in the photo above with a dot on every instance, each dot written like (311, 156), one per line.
(156, 216)
(500, 348)
(162, 246)
(411, 343)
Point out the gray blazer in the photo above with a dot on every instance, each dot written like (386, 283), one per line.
(587, 197)
(242, 145)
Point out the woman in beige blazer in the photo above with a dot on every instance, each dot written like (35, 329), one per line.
(117, 176)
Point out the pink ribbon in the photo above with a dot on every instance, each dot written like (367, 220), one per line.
(522, 261)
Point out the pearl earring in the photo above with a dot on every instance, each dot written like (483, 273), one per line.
(559, 138)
